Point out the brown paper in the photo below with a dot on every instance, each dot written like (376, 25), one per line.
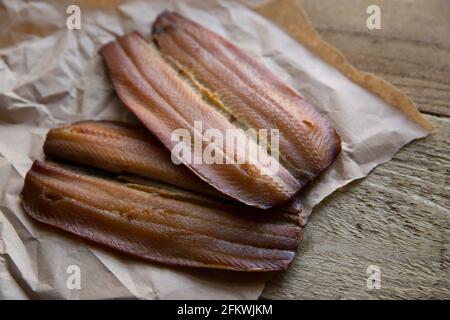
(289, 15)
(50, 75)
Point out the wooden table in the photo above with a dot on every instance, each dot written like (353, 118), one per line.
(398, 217)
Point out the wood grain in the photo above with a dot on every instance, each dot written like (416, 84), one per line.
(397, 218)
(411, 50)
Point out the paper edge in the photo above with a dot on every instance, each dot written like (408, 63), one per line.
(281, 12)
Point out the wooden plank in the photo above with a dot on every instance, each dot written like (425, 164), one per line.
(397, 218)
(412, 49)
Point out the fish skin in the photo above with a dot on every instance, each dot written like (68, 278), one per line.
(308, 142)
(123, 148)
(157, 227)
(164, 102)
(141, 183)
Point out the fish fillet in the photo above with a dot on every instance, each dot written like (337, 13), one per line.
(157, 224)
(165, 101)
(250, 92)
(122, 148)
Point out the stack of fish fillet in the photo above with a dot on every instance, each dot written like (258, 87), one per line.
(116, 183)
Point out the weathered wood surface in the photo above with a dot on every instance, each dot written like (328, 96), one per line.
(412, 49)
(398, 217)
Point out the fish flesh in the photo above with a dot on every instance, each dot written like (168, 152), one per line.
(159, 224)
(251, 92)
(123, 148)
(165, 102)
(188, 73)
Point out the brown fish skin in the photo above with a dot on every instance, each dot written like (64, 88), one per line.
(120, 148)
(164, 102)
(308, 142)
(293, 207)
(157, 227)
(123, 148)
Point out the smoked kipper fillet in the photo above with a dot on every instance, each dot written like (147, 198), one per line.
(124, 148)
(155, 225)
(121, 148)
(197, 75)
(294, 207)
(164, 102)
(250, 92)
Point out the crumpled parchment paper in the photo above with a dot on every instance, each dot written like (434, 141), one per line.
(53, 76)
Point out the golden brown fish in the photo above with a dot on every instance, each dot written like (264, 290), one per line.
(165, 102)
(159, 224)
(195, 75)
(120, 148)
(123, 148)
(250, 92)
